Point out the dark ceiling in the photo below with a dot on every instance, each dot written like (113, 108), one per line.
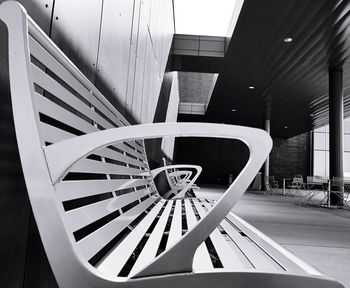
(290, 79)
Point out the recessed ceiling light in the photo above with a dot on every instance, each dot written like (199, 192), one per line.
(288, 39)
(251, 87)
(285, 127)
(233, 110)
(312, 115)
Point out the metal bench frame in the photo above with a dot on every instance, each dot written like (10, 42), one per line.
(47, 165)
(180, 181)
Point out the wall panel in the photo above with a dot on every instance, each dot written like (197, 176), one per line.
(150, 78)
(154, 37)
(167, 22)
(76, 29)
(114, 50)
(140, 68)
(132, 59)
(155, 27)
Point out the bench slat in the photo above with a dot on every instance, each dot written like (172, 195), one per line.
(227, 256)
(201, 259)
(108, 153)
(116, 260)
(55, 111)
(258, 259)
(53, 134)
(132, 152)
(56, 67)
(175, 232)
(93, 166)
(83, 216)
(69, 190)
(49, 84)
(94, 242)
(150, 250)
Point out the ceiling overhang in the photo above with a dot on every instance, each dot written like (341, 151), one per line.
(290, 79)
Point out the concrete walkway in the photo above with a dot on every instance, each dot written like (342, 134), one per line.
(319, 236)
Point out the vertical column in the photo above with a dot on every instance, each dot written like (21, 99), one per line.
(267, 162)
(336, 132)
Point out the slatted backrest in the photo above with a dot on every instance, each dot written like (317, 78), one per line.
(102, 198)
(106, 187)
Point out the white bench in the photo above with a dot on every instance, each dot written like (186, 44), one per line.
(100, 217)
(180, 179)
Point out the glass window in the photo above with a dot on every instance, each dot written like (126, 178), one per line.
(347, 142)
(347, 126)
(326, 128)
(320, 141)
(346, 163)
(320, 163)
(320, 129)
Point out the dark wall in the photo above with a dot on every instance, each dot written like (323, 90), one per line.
(218, 157)
(290, 157)
(221, 157)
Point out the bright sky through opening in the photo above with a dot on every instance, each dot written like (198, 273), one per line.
(204, 17)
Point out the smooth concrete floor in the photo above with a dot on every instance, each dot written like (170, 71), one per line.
(319, 236)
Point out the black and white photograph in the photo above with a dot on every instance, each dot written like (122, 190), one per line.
(175, 143)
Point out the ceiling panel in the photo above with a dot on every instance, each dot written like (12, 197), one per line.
(290, 79)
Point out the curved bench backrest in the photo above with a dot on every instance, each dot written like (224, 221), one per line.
(53, 101)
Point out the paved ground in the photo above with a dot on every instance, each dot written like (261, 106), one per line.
(319, 236)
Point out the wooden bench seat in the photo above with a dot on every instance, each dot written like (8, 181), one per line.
(100, 217)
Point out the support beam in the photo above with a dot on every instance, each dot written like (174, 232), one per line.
(267, 162)
(336, 117)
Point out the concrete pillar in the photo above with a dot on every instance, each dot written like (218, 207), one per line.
(267, 162)
(336, 116)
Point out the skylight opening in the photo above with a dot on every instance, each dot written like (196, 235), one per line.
(206, 17)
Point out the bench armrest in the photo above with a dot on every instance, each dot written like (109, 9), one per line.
(189, 182)
(182, 174)
(179, 257)
(156, 171)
